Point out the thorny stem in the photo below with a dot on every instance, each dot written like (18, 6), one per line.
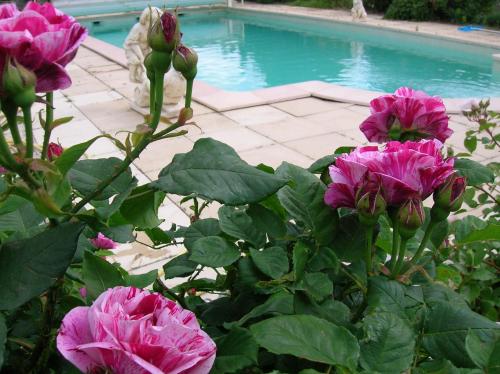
(49, 118)
(497, 201)
(401, 256)
(10, 112)
(368, 248)
(189, 93)
(395, 244)
(171, 293)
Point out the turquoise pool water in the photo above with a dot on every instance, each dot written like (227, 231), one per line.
(240, 51)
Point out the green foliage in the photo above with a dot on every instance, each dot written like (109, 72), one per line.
(415, 10)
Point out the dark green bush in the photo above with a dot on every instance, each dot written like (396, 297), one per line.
(416, 10)
(377, 5)
(493, 19)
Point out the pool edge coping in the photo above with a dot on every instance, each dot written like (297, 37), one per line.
(222, 100)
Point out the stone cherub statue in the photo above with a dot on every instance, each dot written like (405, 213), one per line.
(358, 10)
(136, 49)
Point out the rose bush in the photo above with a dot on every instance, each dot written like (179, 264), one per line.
(336, 268)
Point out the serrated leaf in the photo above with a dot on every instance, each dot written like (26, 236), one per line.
(179, 266)
(388, 344)
(201, 229)
(476, 173)
(214, 170)
(214, 251)
(237, 223)
(308, 337)
(29, 267)
(271, 261)
(304, 201)
(235, 351)
(99, 275)
(141, 207)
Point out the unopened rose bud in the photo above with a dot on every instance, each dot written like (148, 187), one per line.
(185, 61)
(103, 242)
(164, 34)
(450, 195)
(18, 84)
(411, 216)
(54, 150)
(370, 205)
(192, 292)
(83, 292)
(185, 115)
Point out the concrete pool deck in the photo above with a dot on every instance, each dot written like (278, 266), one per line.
(296, 123)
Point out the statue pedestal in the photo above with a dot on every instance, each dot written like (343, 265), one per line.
(168, 111)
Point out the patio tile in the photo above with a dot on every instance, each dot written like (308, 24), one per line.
(208, 123)
(319, 146)
(113, 116)
(106, 68)
(95, 97)
(241, 138)
(361, 109)
(340, 119)
(222, 100)
(293, 129)
(160, 154)
(199, 109)
(87, 87)
(308, 106)
(257, 115)
(274, 155)
(347, 94)
(282, 93)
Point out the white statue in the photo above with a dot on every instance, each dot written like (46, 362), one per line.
(358, 10)
(136, 48)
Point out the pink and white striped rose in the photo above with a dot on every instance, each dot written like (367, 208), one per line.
(133, 331)
(406, 115)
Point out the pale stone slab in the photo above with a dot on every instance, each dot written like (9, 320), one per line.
(257, 115)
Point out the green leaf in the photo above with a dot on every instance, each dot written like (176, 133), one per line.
(237, 223)
(18, 215)
(201, 229)
(267, 221)
(3, 339)
(72, 154)
(476, 173)
(386, 295)
(141, 207)
(214, 170)
(330, 309)
(468, 226)
(278, 303)
(142, 280)
(318, 285)
(29, 267)
(324, 259)
(214, 251)
(446, 328)
(86, 175)
(349, 241)
(489, 233)
(319, 166)
(179, 266)
(304, 201)
(300, 258)
(388, 344)
(271, 261)
(235, 351)
(99, 275)
(470, 143)
(484, 353)
(308, 337)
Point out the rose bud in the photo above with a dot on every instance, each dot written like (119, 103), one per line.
(411, 216)
(3, 170)
(185, 61)
(164, 34)
(54, 150)
(370, 206)
(448, 198)
(18, 84)
(450, 195)
(185, 115)
(103, 242)
(83, 292)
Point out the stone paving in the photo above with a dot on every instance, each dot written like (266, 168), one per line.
(298, 131)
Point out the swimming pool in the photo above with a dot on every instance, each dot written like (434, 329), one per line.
(244, 50)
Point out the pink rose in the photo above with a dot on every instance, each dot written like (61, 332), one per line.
(406, 115)
(42, 39)
(54, 150)
(128, 330)
(402, 171)
(103, 242)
